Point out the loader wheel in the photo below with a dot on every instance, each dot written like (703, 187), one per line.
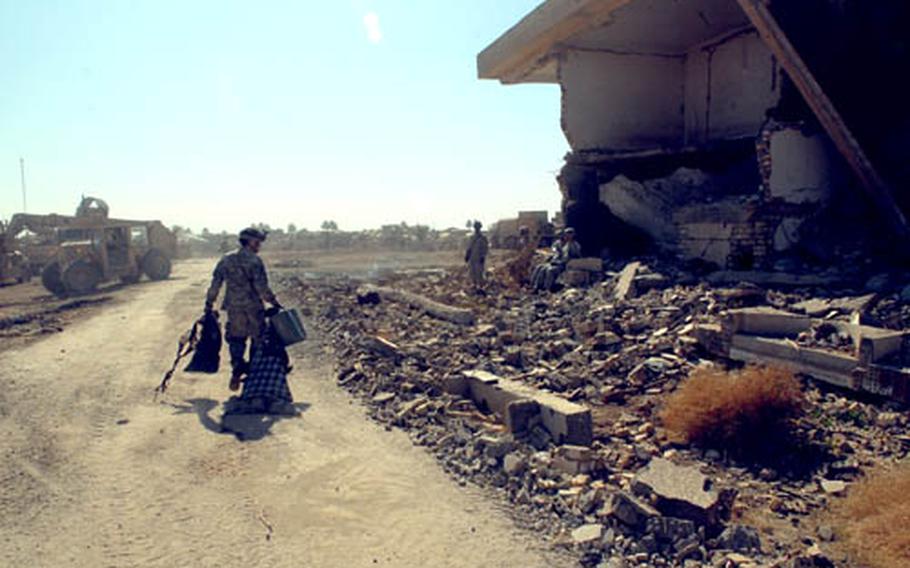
(130, 278)
(81, 277)
(156, 265)
(52, 280)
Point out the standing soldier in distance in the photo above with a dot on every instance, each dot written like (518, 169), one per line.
(247, 289)
(476, 256)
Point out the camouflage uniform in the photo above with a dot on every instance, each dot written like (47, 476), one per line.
(476, 257)
(544, 276)
(564, 251)
(247, 286)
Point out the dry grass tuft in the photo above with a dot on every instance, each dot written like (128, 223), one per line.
(733, 410)
(875, 517)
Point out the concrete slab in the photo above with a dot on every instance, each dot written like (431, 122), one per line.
(590, 264)
(566, 422)
(682, 492)
(625, 284)
(766, 321)
(829, 366)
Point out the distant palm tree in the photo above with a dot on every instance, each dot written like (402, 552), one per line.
(329, 227)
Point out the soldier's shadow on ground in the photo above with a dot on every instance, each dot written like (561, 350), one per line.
(244, 427)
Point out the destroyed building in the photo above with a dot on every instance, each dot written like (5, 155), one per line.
(734, 131)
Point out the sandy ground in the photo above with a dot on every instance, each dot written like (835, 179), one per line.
(28, 311)
(95, 472)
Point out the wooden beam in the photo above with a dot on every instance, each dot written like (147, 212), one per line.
(461, 316)
(777, 41)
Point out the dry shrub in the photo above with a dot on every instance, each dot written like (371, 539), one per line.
(735, 410)
(875, 517)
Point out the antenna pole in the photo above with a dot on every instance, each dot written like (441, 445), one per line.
(22, 178)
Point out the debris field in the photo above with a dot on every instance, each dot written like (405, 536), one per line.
(555, 401)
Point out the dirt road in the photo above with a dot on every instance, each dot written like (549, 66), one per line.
(94, 472)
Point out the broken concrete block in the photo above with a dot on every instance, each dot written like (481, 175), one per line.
(539, 438)
(590, 264)
(739, 538)
(574, 460)
(669, 529)
(496, 447)
(575, 278)
(588, 534)
(456, 384)
(577, 453)
(515, 357)
(485, 330)
(813, 557)
(766, 321)
(737, 560)
(565, 421)
(520, 415)
(514, 463)
(820, 307)
(625, 283)
(814, 307)
(829, 366)
(833, 486)
(645, 282)
(875, 344)
(489, 393)
(383, 397)
(628, 510)
(680, 491)
(606, 341)
(712, 337)
(381, 346)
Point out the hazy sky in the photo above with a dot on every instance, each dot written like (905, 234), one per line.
(219, 113)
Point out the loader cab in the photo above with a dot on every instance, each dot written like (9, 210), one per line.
(139, 237)
(90, 256)
(117, 248)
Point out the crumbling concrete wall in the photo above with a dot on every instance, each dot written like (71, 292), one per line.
(628, 101)
(802, 167)
(729, 87)
(689, 215)
(621, 101)
(656, 148)
(733, 233)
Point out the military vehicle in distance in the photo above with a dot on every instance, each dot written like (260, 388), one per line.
(92, 249)
(506, 233)
(13, 264)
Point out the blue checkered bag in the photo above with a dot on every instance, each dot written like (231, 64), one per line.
(268, 376)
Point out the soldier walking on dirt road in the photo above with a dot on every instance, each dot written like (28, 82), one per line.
(247, 288)
(476, 256)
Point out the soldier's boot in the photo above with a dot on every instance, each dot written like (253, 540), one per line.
(239, 367)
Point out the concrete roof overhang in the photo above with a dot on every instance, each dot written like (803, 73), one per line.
(529, 51)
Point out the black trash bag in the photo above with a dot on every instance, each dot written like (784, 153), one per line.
(207, 354)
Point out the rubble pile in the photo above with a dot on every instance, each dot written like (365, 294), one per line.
(632, 497)
(827, 336)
